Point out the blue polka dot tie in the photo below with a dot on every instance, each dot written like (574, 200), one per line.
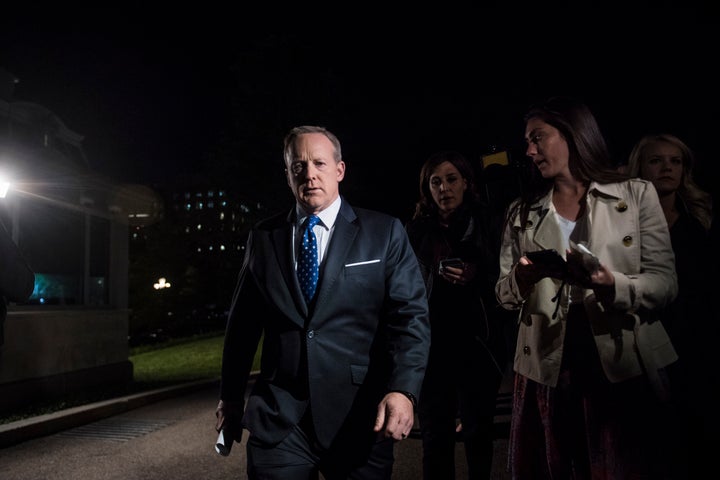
(307, 270)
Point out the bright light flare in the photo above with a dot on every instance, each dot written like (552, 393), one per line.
(4, 185)
(161, 283)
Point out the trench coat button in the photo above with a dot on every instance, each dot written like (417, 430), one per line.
(526, 350)
(528, 224)
(311, 333)
(627, 240)
(621, 206)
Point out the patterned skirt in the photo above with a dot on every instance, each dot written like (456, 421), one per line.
(585, 427)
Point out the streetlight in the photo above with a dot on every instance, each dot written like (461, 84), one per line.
(4, 185)
(161, 283)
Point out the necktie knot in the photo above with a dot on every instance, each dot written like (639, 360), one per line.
(307, 270)
(311, 221)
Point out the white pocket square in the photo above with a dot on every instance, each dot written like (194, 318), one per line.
(377, 260)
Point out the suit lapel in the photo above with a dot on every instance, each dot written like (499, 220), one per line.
(338, 250)
(282, 243)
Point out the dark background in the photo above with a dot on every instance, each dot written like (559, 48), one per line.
(212, 89)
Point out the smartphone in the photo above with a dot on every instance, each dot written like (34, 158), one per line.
(451, 262)
(549, 257)
(579, 253)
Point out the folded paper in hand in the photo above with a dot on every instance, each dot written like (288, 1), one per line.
(223, 446)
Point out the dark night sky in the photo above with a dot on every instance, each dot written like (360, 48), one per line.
(155, 93)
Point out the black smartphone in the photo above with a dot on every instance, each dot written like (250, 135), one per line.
(451, 262)
(549, 257)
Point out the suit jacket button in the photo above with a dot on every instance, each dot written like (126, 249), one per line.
(627, 240)
(526, 350)
(311, 333)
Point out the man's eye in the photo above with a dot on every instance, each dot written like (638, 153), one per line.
(297, 168)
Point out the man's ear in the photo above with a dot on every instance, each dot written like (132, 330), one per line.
(340, 168)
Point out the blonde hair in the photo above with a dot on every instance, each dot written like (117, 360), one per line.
(697, 201)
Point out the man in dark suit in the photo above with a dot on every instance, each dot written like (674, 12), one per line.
(341, 370)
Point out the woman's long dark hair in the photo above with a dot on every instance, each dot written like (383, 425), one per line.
(589, 156)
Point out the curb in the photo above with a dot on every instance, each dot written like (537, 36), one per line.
(42, 425)
(39, 426)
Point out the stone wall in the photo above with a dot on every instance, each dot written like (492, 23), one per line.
(49, 353)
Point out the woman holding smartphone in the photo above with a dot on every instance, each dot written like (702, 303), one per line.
(453, 240)
(590, 353)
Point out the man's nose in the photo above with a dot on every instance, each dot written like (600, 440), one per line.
(310, 170)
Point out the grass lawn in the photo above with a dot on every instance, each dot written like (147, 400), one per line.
(178, 361)
(154, 366)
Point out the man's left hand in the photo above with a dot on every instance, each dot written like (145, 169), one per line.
(395, 416)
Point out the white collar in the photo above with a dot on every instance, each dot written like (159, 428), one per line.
(327, 216)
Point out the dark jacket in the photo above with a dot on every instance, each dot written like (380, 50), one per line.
(367, 332)
(461, 316)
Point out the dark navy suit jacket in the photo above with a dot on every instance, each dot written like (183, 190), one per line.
(366, 333)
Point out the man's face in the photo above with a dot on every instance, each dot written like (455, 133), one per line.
(312, 173)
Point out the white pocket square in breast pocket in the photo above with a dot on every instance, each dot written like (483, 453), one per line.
(366, 262)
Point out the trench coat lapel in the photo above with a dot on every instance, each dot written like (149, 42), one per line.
(546, 230)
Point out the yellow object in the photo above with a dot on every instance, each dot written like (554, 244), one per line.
(501, 158)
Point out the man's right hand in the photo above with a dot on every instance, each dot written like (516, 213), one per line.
(229, 418)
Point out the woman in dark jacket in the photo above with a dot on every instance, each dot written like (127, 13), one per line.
(467, 351)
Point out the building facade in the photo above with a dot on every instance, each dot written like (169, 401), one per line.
(72, 227)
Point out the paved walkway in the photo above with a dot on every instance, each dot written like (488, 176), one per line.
(50, 439)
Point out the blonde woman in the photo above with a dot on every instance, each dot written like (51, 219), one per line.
(667, 162)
